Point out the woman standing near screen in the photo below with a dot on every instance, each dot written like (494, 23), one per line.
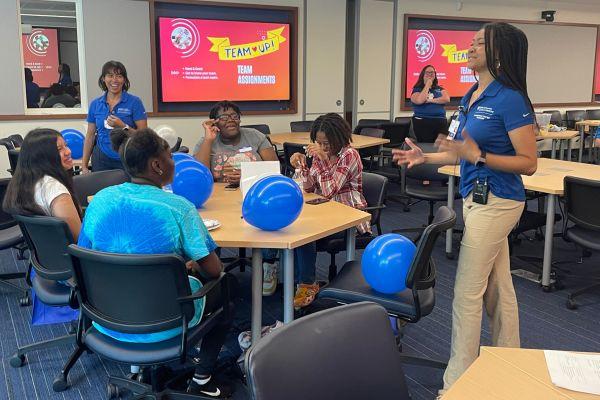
(428, 99)
(495, 143)
(116, 108)
(64, 75)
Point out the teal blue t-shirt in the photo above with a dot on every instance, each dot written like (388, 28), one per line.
(143, 219)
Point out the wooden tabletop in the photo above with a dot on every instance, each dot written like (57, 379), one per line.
(589, 122)
(563, 135)
(358, 141)
(549, 175)
(315, 222)
(510, 374)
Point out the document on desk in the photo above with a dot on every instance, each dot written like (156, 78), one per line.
(574, 371)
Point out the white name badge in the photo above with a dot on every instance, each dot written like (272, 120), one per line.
(245, 149)
(453, 129)
(106, 125)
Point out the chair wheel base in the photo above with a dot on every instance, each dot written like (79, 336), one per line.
(60, 384)
(571, 305)
(17, 360)
(25, 301)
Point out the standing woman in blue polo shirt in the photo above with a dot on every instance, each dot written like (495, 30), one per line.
(116, 108)
(428, 99)
(495, 144)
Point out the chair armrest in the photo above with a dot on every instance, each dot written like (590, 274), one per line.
(373, 208)
(203, 291)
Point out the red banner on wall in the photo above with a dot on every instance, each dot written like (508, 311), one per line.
(40, 54)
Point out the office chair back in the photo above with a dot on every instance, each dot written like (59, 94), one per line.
(6, 142)
(375, 191)
(555, 118)
(6, 220)
(13, 159)
(301, 126)
(47, 239)
(348, 353)
(177, 145)
(593, 114)
(368, 123)
(395, 132)
(421, 274)
(425, 172)
(403, 120)
(90, 184)
(288, 150)
(16, 139)
(263, 128)
(132, 293)
(578, 192)
(574, 116)
(373, 150)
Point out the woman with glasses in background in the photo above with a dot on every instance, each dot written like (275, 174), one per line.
(225, 144)
(428, 99)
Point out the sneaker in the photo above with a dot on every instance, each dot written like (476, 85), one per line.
(269, 278)
(213, 388)
(245, 338)
(305, 294)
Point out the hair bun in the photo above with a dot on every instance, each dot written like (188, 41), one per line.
(117, 138)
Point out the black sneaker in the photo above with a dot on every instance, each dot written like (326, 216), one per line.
(213, 388)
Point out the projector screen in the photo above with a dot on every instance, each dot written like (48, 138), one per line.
(203, 60)
(597, 89)
(40, 54)
(446, 50)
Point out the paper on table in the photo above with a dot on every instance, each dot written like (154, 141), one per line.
(574, 371)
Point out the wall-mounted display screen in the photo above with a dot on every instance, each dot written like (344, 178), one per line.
(40, 54)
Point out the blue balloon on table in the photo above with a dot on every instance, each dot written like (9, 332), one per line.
(386, 261)
(74, 140)
(193, 180)
(272, 203)
(181, 156)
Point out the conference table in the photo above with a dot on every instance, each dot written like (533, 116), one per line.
(548, 179)
(510, 374)
(583, 127)
(559, 137)
(358, 141)
(315, 222)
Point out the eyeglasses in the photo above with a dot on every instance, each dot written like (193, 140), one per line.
(228, 117)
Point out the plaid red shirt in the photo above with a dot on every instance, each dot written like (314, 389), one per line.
(339, 180)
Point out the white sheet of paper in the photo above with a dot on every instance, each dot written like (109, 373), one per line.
(574, 371)
(253, 171)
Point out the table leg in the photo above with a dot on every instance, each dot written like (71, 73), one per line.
(548, 239)
(350, 244)
(553, 154)
(581, 141)
(288, 285)
(451, 206)
(257, 281)
(560, 150)
(569, 150)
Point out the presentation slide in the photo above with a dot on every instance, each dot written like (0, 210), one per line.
(597, 89)
(447, 51)
(210, 60)
(40, 54)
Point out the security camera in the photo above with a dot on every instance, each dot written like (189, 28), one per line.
(548, 15)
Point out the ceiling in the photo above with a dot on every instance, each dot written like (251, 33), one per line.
(59, 14)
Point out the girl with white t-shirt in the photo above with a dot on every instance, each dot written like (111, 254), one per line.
(42, 183)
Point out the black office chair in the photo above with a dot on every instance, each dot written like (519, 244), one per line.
(90, 184)
(47, 239)
(413, 303)
(344, 353)
(16, 139)
(177, 145)
(141, 294)
(585, 231)
(288, 150)
(375, 192)
(13, 159)
(370, 153)
(301, 126)
(368, 123)
(11, 237)
(556, 118)
(574, 116)
(593, 114)
(263, 128)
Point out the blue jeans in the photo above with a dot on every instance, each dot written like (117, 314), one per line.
(305, 260)
(101, 162)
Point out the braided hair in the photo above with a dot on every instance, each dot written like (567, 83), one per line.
(335, 128)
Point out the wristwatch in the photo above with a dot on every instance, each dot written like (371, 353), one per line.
(481, 159)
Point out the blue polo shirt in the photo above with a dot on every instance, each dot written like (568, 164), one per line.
(129, 109)
(429, 110)
(497, 111)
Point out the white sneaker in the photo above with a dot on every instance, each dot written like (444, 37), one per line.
(269, 278)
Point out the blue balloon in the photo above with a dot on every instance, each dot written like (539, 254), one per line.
(386, 261)
(272, 203)
(74, 140)
(181, 156)
(193, 180)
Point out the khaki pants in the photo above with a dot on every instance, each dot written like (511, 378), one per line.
(483, 278)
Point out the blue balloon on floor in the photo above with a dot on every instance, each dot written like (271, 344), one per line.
(74, 140)
(386, 261)
(181, 156)
(193, 180)
(272, 203)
